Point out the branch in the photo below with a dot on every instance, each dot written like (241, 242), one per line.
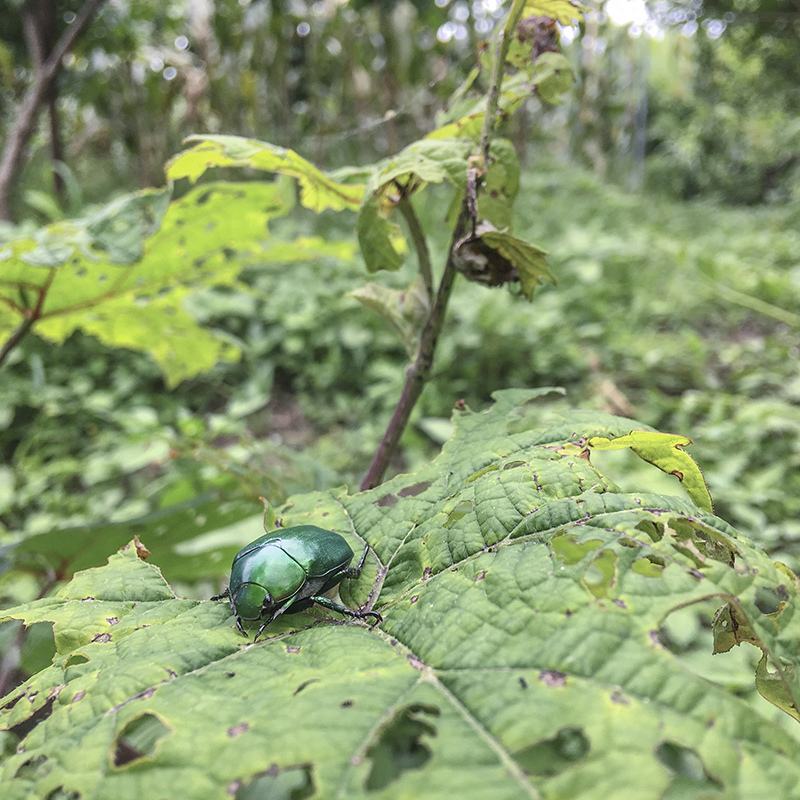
(15, 338)
(31, 316)
(496, 81)
(420, 243)
(25, 119)
(419, 370)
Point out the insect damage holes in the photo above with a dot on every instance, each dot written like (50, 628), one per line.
(138, 739)
(401, 745)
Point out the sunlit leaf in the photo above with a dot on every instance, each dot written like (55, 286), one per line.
(123, 274)
(665, 451)
(567, 12)
(520, 653)
(318, 191)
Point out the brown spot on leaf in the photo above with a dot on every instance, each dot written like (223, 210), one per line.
(480, 576)
(292, 649)
(112, 620)
(414, 599)
(620, 699)
(553, 678)
(102, 638)
(304, 684)
(387, 500)
(141, 551)
(347, 704)
(415, 489)
(238, 730)
(426, 573)
(78, 696)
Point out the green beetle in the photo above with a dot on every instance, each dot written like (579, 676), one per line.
(287, 571)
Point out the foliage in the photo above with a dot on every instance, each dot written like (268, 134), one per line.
(524, 598)
(724, 122)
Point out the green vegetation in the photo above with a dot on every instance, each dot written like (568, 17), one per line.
(568, 601)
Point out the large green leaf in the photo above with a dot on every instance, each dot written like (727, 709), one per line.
(520, 656)
(123, 274)
(318, 191)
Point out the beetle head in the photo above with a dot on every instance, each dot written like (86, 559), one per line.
(251, 600)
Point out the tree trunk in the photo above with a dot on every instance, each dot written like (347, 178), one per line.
(41, 91)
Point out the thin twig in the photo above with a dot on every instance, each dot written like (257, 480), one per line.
(496, 81)
(31, 316)
(420, 243)
(15, 338)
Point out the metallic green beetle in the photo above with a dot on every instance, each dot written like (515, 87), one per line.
(287, 571)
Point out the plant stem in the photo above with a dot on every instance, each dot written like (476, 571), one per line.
(496, 81)
(418, 372)
(420, 244)
(15, 338)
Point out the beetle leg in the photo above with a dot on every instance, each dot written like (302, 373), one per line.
(239, 626)
(273, 617)
(222, 596)
(354, 572)
(326, 602)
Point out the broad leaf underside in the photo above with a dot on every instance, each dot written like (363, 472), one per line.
(519, 655)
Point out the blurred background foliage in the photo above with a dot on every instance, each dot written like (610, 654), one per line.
(667, 189)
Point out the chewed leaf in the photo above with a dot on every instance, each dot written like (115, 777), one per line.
(523, 596)
(318, 191)
(775, 685)
(663, 450)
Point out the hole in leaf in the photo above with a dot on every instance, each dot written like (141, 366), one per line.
(33, 769)
(655, 530)
(552, 756)
(690, 777)
(75, 659)
(768, 601)
(60, 794)
(139, 739)
(598, 577)
(400, 747)
(291, 783)
(681, 629)
(649, 566)
(459, 512)
(567, 548)
(41, 714)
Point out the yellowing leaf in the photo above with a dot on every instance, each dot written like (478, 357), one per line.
(564, 11)
(318, 191)
(663, 450)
